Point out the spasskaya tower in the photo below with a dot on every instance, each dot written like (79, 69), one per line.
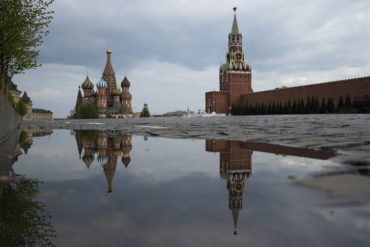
(234, 75)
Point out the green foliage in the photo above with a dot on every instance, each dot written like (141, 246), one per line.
(87, 111)
(21, 108)
(23, 24)
(23, 220)
(11, 99)
(330, 106)
(145, 112)
(348, 102)
(323, 107)
(22, 138)
(312, 106)
(87, 136)
(340, 103)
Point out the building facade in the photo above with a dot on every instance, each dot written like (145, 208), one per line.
(235, 87)
(110, 100)
(35, 114)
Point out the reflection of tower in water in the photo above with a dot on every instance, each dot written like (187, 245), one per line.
(108, 145)
(235, 167)
(126, 146)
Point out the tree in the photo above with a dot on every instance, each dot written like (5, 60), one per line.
(145, 112)
(330, 106)
(340, 103)
(300, 107)
(21, 108)
(316, 105)
(323, 108)
(23, 24)
(294, 107)
(24, 220)
(348, 102)
(88, 110)
(307, 108)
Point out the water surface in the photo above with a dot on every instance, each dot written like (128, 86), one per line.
(113, 189)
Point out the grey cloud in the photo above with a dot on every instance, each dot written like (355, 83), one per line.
(285, 35)
(287, 42)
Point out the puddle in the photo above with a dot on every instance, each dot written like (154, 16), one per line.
(113, 189)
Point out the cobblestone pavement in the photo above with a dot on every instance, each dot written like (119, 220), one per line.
(348, 134)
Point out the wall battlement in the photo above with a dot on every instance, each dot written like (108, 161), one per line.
(355, 88)
(366, 78)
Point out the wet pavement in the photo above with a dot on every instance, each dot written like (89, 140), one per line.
(346, 134)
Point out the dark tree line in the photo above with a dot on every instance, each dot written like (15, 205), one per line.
(311, 106)
(145, 112)
(85, 110)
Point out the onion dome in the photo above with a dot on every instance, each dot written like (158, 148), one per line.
(126, 161)
(116, 92)
(88, 160)
(102, 159)
(101, 84)
(125, 82)
(87, 84)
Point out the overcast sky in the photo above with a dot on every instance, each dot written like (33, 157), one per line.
(171, 50)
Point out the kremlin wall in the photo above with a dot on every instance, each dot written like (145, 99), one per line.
(358, 89)
(236, 94)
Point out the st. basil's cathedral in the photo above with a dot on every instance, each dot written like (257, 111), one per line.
(110, 100)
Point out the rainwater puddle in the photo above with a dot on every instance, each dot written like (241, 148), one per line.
(113, 189)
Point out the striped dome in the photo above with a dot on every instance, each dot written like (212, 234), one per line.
(102, 160)
(87, 84)
(116, 92)
(101, 84)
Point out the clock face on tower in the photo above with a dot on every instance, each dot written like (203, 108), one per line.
(239, 56)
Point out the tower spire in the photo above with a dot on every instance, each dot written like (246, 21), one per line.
(235, 213)
(235, 28)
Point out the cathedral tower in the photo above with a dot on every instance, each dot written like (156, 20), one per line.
(126, 96)
(110, 77)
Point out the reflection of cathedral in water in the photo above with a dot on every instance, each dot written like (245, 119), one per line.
(107, 146)
(235, 168)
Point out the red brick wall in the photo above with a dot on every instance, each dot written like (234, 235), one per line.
(216, 145)
(291, 151)
(233, 156)
(356, 88)
(216, 102)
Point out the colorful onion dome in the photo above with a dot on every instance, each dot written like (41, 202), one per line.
(116, 92)
(102, 160)
(101, 84)
(125, 82)
(126, 161)
(88, 160)
(87, 84)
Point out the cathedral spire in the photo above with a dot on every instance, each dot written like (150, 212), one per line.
(108, 70)
(109, 171)
(235, 28)
(108, 74)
